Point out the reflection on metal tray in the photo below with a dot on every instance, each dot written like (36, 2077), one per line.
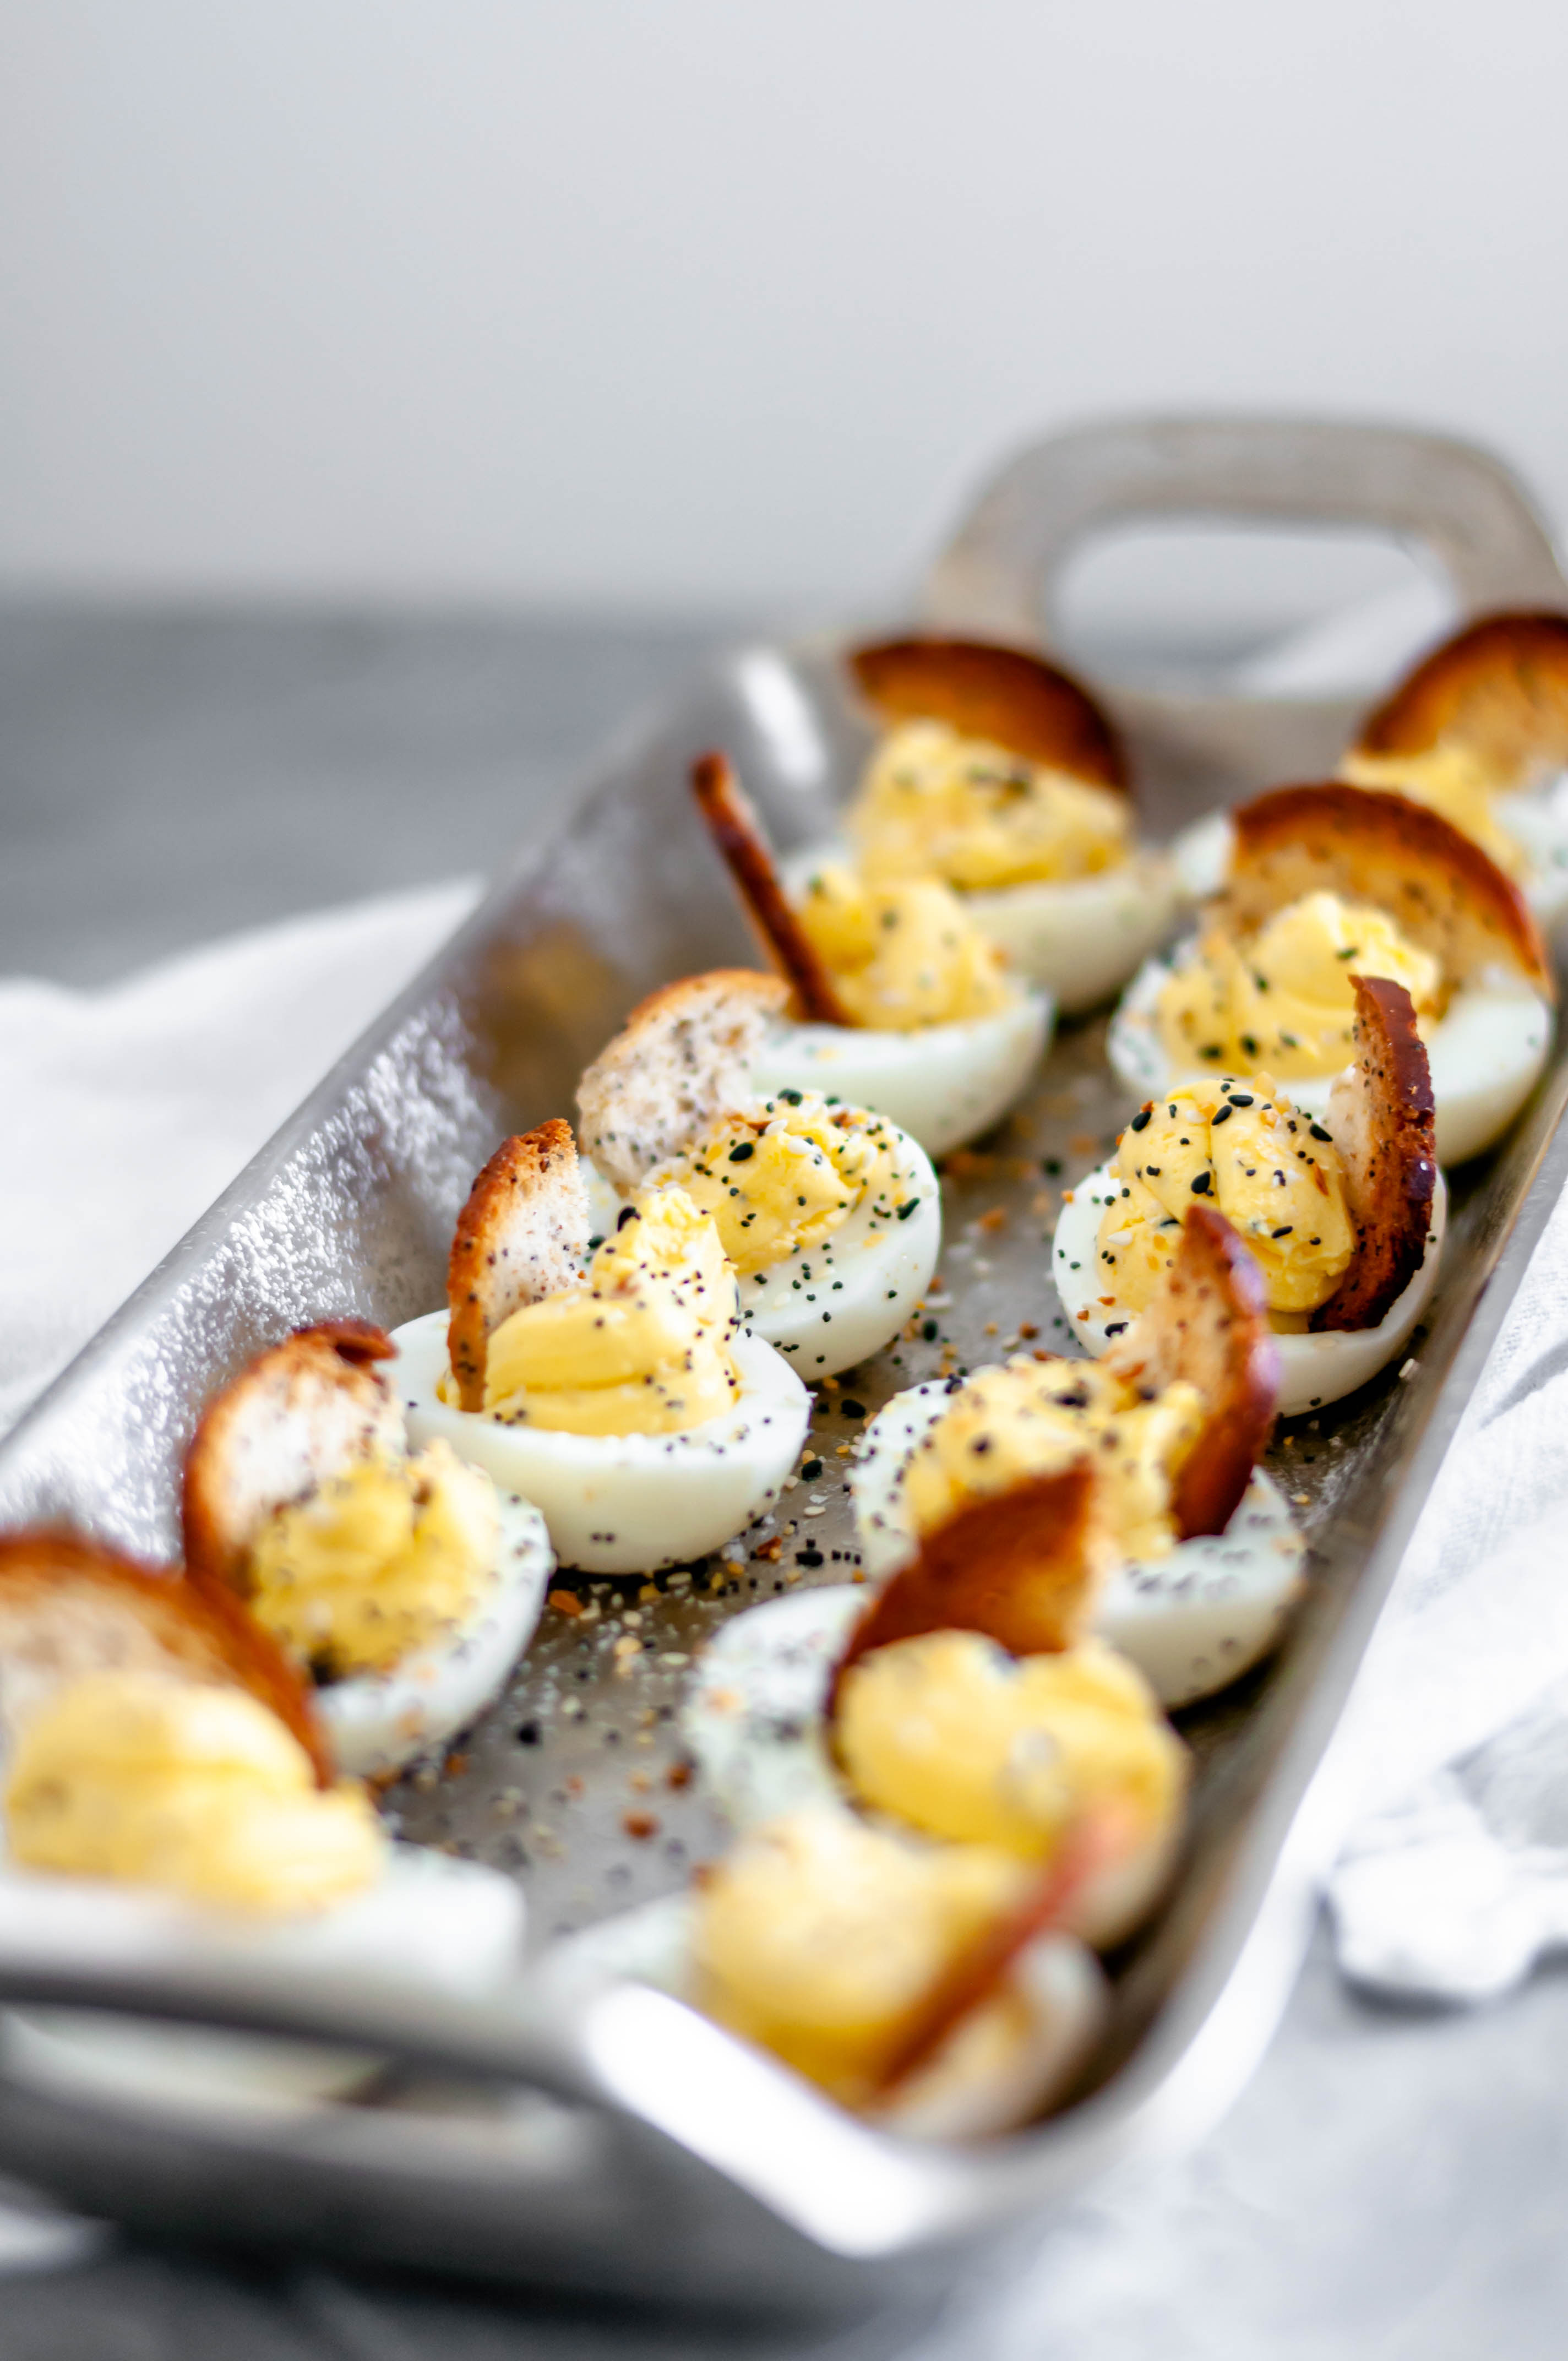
(635, 2146)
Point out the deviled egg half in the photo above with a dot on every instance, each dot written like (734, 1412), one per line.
(618, 1389)
(909, 1713)
(170, 1796)
(407, 1587)
(1344, 1217)
(1479, 731)
(1000, 775)
(830, 1215)
(1195, 1560)
(928, 1987)
(903, 1006)
(1328, 883)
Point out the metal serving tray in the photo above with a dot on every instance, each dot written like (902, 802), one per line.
(621, 2143)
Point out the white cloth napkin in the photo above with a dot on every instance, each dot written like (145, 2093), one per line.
(127, 1111)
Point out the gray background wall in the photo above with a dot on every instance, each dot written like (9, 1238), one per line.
(687, 304)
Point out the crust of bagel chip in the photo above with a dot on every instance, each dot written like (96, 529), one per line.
(1207, 1321)
(733, 824)
(982, 1965)
(1498, 688)
(70, 1606)
(1366, 845)
(1003, 694)
(522, 1235)
(678, 1062)
(297, 1413)
(1022, 1566)
(1380, 1113)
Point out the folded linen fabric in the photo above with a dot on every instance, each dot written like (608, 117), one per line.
(129, 1110)
(1453, 1877)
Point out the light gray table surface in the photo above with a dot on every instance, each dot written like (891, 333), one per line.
(1391, 2183)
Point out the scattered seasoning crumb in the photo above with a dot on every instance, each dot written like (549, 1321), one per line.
(993, 1220)
(675, 1656)
(565, 1602)
(455, 1765)
(1302, 1499)
(1409, 1369)
(679, 1774)
(640, 1783)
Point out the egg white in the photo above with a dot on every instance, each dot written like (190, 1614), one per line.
(1313, 1369)
(829, 1306)
(944, 1085)
(1537, 819)
(1192, 1621)
(378, 1721)
(755, 1722)
(624, 1503)
(1081, 937)
(430, 1923)
(1487, 1054)
(975, 2086)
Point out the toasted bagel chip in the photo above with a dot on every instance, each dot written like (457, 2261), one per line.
(1498, 688)
(1003, 694)
(740, 836)
(70, 1606)
(296, 1414)
(680, 1061)
(1021, 1566)
(522, 1236)
(1380, 1111)
(1369, 846)
(983, 1965)
(1207, 1321)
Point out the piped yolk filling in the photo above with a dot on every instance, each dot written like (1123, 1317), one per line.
(1273, 1173)
(935, 803)
(1283, 999)
(200, 1790)
(782, 1177)
(820, 1939)
(1449, 780)
(902, 956)
(1033, 1418)
(952, 1735)
(642, 1347)
(386, 1557)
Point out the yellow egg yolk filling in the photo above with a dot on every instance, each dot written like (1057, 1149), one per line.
(1034, 1418)
(963, 1741)
(1282, 1000)
(935, 803)
(782, 1177)
(386, 1557)
(642, 1347)
(1450, 781)
(820, 1939)
(901, 956)
(1274, 1172)
(196, 1789)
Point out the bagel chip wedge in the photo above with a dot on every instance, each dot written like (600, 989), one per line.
(522, 1235)
(70, 1606)
(1497, 689)
(1000, 694)
(679, 1062)
(295, 1415)
(1381, 1116)
(1366, 845)
(744, 846)
(1207, 1321)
